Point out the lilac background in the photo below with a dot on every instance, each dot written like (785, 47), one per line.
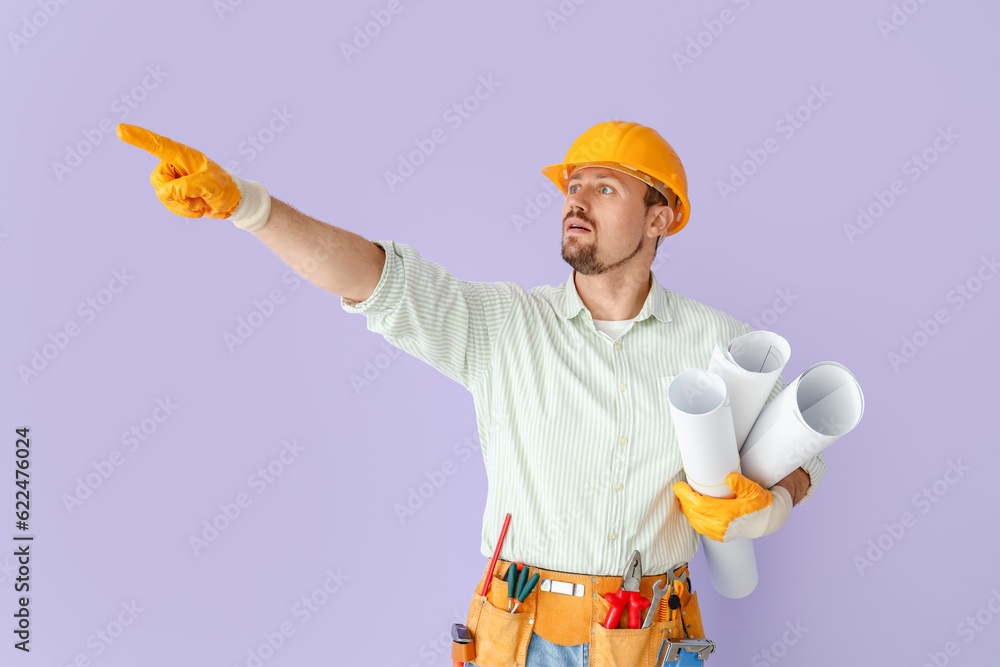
(333, 507)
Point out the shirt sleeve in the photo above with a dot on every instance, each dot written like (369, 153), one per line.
(422, 309)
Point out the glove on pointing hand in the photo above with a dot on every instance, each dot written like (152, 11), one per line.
(753, 513)
(188, 183)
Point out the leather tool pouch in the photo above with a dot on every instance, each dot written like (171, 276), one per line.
(501, 637)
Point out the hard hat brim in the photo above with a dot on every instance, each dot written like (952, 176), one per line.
(560, 174)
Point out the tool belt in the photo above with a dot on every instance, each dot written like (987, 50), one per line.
(570, 609)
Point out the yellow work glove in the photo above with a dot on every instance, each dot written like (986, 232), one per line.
(753, 513)
(191, 185)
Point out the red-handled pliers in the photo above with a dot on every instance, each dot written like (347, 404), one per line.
(627, 594)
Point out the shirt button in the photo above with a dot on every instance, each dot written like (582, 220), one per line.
(623, 386)
(613, 536)
(624, 440)
(618, 346)
(618, 486)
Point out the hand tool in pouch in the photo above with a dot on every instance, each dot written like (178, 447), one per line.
(525, 585)
(627, 594)
(658, 592)
(463, 648)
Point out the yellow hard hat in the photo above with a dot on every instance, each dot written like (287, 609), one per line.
(633, 149)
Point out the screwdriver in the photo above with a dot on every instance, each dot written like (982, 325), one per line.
(511, 585)
(524, 588)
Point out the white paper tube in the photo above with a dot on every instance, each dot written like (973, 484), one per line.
(750, 366)
(732, 566)
(703, 421)
(820, 406)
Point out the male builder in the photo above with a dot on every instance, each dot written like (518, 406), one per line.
(569, 385)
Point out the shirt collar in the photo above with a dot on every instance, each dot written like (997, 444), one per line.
(657, 302)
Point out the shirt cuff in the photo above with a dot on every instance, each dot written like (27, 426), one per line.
(389, 289)
(816, 467)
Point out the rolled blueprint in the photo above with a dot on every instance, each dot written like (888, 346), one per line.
(822, 404)
(703, 421)
(750, 367)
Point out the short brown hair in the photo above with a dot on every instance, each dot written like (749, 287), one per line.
(655, 198)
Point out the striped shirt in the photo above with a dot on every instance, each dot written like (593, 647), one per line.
(573, 423)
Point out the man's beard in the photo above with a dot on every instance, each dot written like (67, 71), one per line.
(583, 258)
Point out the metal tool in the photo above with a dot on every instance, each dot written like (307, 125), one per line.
(463, 646)
(627, 594)
(700, 648)
(524, 588)
(659, 653)
(658, 592)
(562, 587)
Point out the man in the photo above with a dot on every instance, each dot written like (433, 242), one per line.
(569, 385)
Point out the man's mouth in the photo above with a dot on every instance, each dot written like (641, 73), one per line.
(576, 226)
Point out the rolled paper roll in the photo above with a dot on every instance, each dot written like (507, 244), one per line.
(750, 366)
(703, 421)
(820, 406)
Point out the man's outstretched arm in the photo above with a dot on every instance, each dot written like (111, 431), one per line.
(339, 261)
(189, 184)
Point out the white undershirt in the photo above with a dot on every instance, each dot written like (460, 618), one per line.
(614, 328)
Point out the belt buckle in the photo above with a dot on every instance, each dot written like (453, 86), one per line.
(562, 587)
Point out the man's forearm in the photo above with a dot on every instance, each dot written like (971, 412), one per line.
(332, 258)
(796, 483)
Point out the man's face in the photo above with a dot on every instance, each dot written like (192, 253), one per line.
(609, 204)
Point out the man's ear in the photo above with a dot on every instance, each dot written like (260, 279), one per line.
(662, 219)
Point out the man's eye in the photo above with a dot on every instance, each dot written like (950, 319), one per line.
(573, 188)
(607, 187)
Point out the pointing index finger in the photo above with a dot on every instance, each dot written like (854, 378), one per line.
(159, 146)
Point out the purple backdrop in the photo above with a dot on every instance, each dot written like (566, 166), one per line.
(842, 167)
